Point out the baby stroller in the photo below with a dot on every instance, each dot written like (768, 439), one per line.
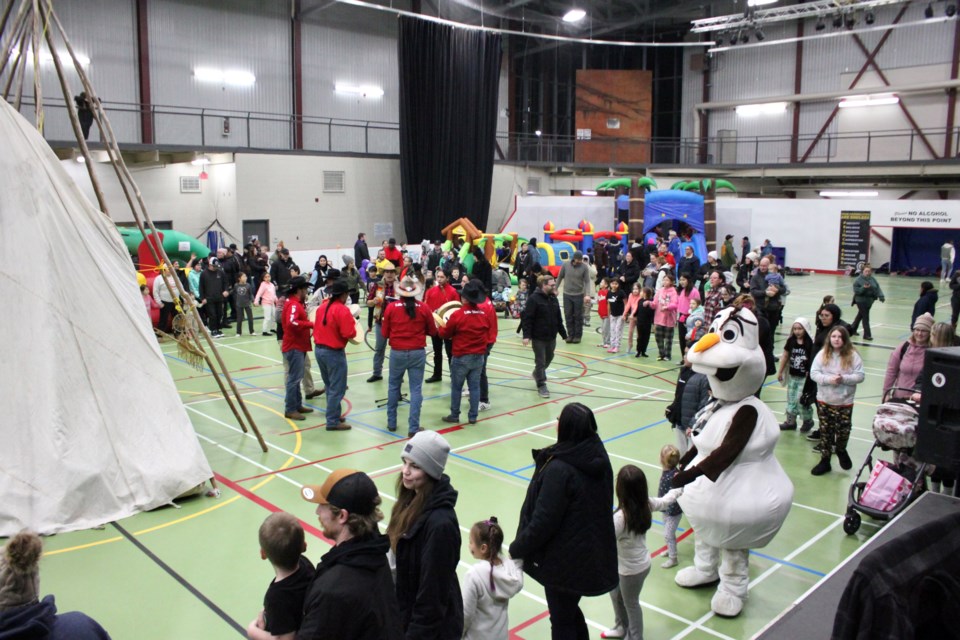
(890, 486)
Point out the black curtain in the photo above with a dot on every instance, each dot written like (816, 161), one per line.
(448, 122)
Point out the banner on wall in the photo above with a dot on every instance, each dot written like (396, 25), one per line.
(854, 239)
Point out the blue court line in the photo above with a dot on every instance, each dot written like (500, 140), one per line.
(788, 564)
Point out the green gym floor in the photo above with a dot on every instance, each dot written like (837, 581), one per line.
(195, 571)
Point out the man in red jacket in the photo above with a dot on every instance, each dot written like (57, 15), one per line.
(435, 297)
(469, 329)
(392, 253)
(333, 326)
(296, 343)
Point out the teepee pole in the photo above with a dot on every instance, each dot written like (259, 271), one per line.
(37, 88)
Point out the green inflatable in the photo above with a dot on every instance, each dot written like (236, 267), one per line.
(179, 246)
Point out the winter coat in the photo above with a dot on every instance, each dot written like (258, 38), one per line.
(212, 286)
(825, 368)
(352, 594)
(689, 267)
(630, 273)
(664, 304)
(40, 621)
(542, 319)
(955, 286)
(863, 294)
(758, 289)
(431, 607)
(485, 608)
(566, 537)
(904, 367)
(926, 304)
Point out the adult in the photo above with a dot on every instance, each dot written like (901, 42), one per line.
(948, 253)
(320, 269)
(482, 269)
(955, 298)
(766, 248)
(575, 294)
(541, 323)
(744, 248)
(689, 265)
(713, 301)
(213, 291)
(629, 271)
(392, 253)
(728, 257)
(764, 333)
(469, 330)
(384, 293)
(767, 295)
(360, 250)
(436, 296)
(257, 264)
(906, 360)
(866, 291)
(492, 330)
(231, 273)
(565, 536)
(351, 276)
(295, 344)
(406, 325)
(425, 538)
(352, 594)
(926, 303)
(84, 113)
(165, 295)
(711, 265)
(745, 272)
(193, 278)
(280, 269)
(22, 613)
(333, 327)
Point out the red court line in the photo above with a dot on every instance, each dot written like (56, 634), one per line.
(345, 414)
(307, 464)
(269, 506)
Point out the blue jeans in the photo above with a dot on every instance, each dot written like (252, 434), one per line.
(467, 368)
(293, 400)
(333, 370)
(411, 361)
(378, 350)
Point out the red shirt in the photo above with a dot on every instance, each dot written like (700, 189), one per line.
(469, 328)
(393, 255)
(406, 333)
(487, 307)
(296, 326)
(437, 296)
(340, 325)
(602, 308)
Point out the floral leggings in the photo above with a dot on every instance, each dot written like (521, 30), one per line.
(835, 424)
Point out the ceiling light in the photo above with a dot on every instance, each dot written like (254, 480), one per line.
(538, 133)
(574, 15)
(366, 90)
(872, 100)
(870, 18)
(199, 162)
(759, 35)
(849, 194)
(718, 41)
(81, 160)
(928, 12)
(231, 77)
(588, 193)
(757, 3)
(766, 108)
(820, 24)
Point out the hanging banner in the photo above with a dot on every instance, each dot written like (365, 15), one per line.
(854, 239)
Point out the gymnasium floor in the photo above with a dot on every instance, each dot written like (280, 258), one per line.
(195, 571)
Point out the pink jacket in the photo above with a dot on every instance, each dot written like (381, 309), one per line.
(904, 372)
(633, 301)
(664, 304)
(266, 294)
(683, 302)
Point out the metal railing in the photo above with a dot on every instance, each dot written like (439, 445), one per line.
(179, 126)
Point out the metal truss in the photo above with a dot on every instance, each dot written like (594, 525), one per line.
(756, 17)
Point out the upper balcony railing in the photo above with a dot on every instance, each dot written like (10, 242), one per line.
(203, 128)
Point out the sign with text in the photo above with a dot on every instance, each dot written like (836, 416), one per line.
(854, 238)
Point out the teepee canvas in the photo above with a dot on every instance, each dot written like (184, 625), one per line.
(93, 428)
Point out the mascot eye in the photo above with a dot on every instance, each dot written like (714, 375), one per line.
(730, 334)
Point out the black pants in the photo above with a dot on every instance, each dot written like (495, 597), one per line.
(167, 312)
(643, 336)
(484, 385)
(682, 337)
(240, 313)
(863, 314)
(439, 346)
(955, 303)
(355, 297)
(566, 619)
(214, 313)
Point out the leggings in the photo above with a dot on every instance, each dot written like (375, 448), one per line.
(835, 425)
(664, 336)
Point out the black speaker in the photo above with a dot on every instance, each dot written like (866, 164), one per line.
(938, 433)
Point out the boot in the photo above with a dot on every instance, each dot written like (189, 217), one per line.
(806, 426)
(822, 467)
(789, 424)
(844, 459)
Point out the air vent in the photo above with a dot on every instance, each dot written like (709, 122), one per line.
(333, 182)
(190, 184)
(533, 185)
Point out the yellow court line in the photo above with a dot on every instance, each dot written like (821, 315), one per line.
(253, 489)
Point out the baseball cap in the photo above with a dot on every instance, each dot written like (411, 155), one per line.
(346, 489)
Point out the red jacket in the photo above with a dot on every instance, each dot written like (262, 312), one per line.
(340, 325)
(393, 255)
(487, 307)
(437, 296)
(296, 326)
(469, 328)
(602, 309)
(406, 333)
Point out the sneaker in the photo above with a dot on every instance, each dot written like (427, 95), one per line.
(806, 426)
(611, 350)
(343, 426)
(604, 346)
(814, 435)
(433, 379)
(465, 393)
(788, 426)
(295, 415)
(374, 378)
(305, 410)
(870, 338)
(315, 394)
(818, 449)
(854, 333)
(575, 341)
(844, 459)
(212, 493)
(484, 406)
(822, 467)
(391, 427)
(266, 333)
(660, 358)
(669, 563)
(451, 419)
(543, 392)
(616, 632)
(643, 354)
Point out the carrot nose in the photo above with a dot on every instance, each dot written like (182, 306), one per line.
(706, 342)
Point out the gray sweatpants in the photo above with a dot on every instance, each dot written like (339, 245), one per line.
(626, 605)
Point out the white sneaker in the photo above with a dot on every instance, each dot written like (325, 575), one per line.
(669, 563)
(483, 406)
(616, 632)
(465, 393)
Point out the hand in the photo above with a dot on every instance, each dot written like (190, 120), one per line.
(837, 379)
(780, 377)
(915, 398)
(586, 299)
(226, 293)
(526, 342)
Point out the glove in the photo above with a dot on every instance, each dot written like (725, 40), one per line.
(686, 476)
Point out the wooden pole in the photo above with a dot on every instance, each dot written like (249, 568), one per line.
(636, 211)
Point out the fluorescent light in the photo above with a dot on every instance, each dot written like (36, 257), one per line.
(574, 15)
(365, 90)
(199, 162)
(588, 193)
(232, 76)
(538, 133)
(849, 194)
(873, 100)
(761, 109)
(81, 159)
(757, 3)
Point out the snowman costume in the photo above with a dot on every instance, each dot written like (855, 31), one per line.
(736, 495)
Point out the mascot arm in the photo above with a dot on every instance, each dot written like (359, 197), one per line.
(741, 428)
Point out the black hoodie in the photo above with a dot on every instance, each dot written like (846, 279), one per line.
(566, 537)
(428, 590)
(352, 594)
(927, 303)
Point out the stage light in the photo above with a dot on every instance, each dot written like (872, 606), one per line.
(870, 18)
(759, 34)
(574, 15)
(950, 10)
(928, 12)
(850, 21)
(745, 37)
(820, 24)
(837, 21)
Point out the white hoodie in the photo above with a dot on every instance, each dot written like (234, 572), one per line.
(485, 610)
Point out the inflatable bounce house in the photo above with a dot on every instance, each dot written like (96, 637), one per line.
(559, 244)
(463, 231)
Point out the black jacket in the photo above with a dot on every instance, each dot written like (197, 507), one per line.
(566, 537)
(428, 590)
(927, 303)
(212, 285)
(360, 252)
(280, 272)
(352, 594)
(542, 319)
(689, 267)
(630, 273)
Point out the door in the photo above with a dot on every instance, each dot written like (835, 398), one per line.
(258, 228)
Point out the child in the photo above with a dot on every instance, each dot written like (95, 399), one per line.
(687, 294)
(694, 323)
(615, 305)
(282, 543)
(519, 302)
(664, 304)
(488, 585)
(603, 310)
(148, 301)
(669, 459)
(837, 370)
(630, 313)
(455, 280)
(267, 299)
(372, 282)
(631, 521)
(645, 315)
(773, 277)
(797, 352)
(243, 300)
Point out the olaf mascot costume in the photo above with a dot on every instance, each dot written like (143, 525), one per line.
(736, 495)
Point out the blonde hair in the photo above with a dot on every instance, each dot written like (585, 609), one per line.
(669, 456)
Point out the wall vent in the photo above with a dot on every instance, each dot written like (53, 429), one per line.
(333, 182)
(190, 184)
(533, 185)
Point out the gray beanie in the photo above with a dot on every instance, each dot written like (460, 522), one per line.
(578, 255)
(19, 571)
(428, 450)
